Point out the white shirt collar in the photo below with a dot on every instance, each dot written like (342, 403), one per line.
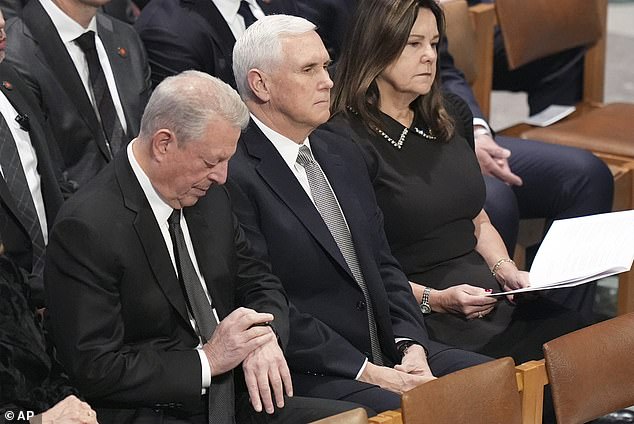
(287, 148)
(67, 28)
(229, 8)
(161, 210)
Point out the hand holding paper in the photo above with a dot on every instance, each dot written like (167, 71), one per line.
(584, 249)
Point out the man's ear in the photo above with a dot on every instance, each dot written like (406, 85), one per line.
(162, 141)
(259, 84)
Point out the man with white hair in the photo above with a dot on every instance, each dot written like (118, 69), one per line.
(147, 265)
(306, 203)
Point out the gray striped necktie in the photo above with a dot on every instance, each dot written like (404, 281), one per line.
(19, 189)
(333, 217)
(221, 397)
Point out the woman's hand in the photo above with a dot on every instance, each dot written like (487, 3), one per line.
(510, 278)
(464, 299)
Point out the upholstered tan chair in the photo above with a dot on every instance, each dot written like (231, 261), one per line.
(483, 394)
(591, 371)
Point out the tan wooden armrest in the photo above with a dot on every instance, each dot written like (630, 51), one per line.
(531, 379)
(382, 419)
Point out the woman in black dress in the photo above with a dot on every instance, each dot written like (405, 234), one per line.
(419, 148)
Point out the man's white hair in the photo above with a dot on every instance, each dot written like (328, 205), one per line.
(261, 46)
(186, 103)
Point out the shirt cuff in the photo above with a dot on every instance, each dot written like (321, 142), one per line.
(481, 122)
(365, 363)
(206, 370)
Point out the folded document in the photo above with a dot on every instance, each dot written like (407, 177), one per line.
(579, 250)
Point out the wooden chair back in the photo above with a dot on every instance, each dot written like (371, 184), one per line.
(535, 29)
(591, 371)
(470, 35)
(482, 394)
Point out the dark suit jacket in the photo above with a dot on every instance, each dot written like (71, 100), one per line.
(333, 19)
(192, 34)
(329, 327)
(39, 55)
(117, 311)
(13, 231)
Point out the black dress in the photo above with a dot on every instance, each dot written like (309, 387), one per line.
(29, 379)
(430, 191)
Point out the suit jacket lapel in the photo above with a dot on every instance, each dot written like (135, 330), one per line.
(335, 169)
(209, 261)
(117, 49)
(54, 54)
(12, 87)
(276, 174)
(218, 28)
(150, 236)
(7, 198)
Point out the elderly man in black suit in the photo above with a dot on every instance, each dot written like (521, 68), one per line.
(90, 75)
(307, 204)
(199, 34)
(29, 192)
(147, 265)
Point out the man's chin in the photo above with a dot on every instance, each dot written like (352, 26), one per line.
(188, 201)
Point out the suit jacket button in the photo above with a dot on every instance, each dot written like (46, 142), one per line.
(361, 305)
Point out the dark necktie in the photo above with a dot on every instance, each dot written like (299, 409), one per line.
(221, 403)
(329, 210)
(19, 189)
(245, 12)
(103, 100)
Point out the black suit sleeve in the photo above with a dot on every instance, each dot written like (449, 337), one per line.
(257, 288)
(407, 318)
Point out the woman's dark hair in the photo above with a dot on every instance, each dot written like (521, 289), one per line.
(379, 34)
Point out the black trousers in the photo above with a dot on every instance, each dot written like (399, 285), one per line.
(297, 410)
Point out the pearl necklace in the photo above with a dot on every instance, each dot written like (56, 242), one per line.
(399, 144)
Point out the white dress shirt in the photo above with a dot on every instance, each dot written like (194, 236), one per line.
(28, 159)
(68, 30)
(162, 211)
(229, 11)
